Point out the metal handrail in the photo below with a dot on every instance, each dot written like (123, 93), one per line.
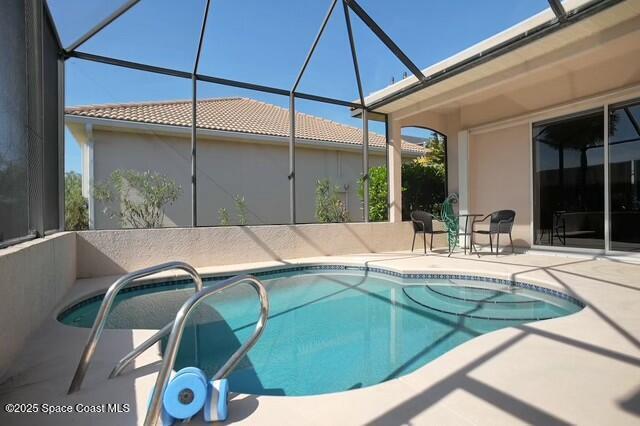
(177, 330)
(105, 307)
(131, 356)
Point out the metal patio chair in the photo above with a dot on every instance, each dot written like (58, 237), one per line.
(500, 222)
(423, 224)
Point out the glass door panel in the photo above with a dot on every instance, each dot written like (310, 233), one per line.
(568, 156)
(624, 176)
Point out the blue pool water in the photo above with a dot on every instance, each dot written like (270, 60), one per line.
(331, 330)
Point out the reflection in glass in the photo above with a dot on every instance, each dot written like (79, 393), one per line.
(569, 181)
(624, 181)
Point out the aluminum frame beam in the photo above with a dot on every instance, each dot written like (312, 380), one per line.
(194, 147)
(61, 143)
(558, 9)
(365, 164)
(102, 24)
(203, 28)
(194, 121)
(314, 45)
(354, 55)
(384, 38)
(53, 24)
(201, 77)
(292, 158)
(632, 119)
(365, 116)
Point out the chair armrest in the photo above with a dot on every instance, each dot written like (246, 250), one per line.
(476, 220)
(421, 222)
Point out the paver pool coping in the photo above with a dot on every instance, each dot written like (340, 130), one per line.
(159, 283)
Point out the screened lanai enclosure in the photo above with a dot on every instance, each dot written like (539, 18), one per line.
(207, 113)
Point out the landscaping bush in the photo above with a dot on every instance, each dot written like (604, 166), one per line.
(141, 197)
(329, 207)
(423, 185)
(378, 193)
(76, 207)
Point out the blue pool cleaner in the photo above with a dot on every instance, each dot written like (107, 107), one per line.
(215, 407)
(185, 394)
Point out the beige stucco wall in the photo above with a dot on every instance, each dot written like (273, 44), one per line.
(257, 171)
(35, 276)
(114, 252)
(499, 177)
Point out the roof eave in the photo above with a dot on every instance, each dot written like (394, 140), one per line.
(527, 31)
(168, 129)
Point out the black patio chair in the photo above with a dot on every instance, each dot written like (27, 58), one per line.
(423, 224)
(500, 222)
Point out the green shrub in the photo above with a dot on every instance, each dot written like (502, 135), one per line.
(141, 197)
(76, 207)
(224, 216)
(378, 193)
(329, 207)
(423, 186)
(241, 207)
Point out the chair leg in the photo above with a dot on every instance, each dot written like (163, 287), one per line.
(472, 245)
(497, 244)
(424, 241)
(511, 240)
(413, 244)
(431, 243)
(491, 243)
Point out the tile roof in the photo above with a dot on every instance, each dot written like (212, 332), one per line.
(237, 115)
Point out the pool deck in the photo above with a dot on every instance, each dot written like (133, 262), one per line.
(580, 369)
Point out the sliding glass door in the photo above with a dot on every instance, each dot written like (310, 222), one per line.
(568, 181)
(624, 176)
(569, 172)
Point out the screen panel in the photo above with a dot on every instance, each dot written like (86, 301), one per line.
(14, 200)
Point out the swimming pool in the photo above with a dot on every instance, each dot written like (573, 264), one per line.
(331, 328)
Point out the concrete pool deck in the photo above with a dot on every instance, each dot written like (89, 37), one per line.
(579, 369)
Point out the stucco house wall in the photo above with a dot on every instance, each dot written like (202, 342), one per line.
(254, 170)
(498, 172)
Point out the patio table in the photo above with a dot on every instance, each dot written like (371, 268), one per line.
(466, 232)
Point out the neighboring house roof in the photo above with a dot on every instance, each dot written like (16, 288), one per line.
(237, 115)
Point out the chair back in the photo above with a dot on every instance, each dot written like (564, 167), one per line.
(502, 221)
(422, 221)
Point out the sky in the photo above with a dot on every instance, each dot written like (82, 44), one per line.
(266, 42)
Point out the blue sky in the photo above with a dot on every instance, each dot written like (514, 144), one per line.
(265, 42)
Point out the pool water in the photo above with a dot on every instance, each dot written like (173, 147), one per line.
(330, 330)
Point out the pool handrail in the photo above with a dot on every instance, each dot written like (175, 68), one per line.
(98, 324)
(171, 350)
(131, 356)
